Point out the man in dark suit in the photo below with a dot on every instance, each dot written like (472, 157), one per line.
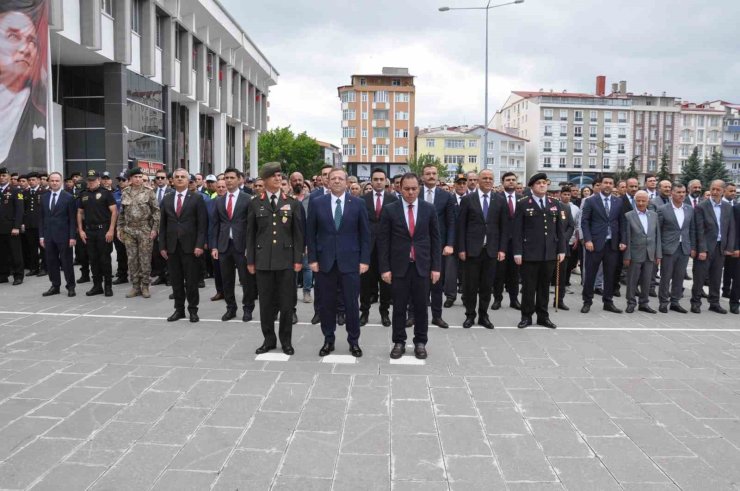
(694, 193)
(370, 282)
(159, 265)
(31, 217)
(338, 240)
(569, 228)
(444, 204)
(507, 272)
(481, 235)
(230, 233)
(453, 269)
(735, 292)
(539, 244)
(57, 232)
(182, 235)
(601, 223)
(275, 253)
(715, 238)
(409, 255)
(678, 243)
(641, 237)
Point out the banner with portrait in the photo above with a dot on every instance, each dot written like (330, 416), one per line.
(24, 78)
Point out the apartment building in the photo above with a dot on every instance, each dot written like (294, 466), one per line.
(330, 153)
(153, 83)
(653, 132)
(730, 137)
(506, 153)
(378, 120)
(454, 146)
(701, 126)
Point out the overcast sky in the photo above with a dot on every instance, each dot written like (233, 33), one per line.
(687, 48)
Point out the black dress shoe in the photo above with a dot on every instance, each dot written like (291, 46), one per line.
(735, 309)
(630, 309)
(679, 309)
(194, 316)
(598, 291)
(363, 318)
(440, 322)
(42, 272)
(410, 322)
(230, 314)
(17, 281)
(485, 322)
(71, 292)
(496, 305)
(717, 308)
(696, 309)
(398, 350)
(326, 349)
(247, 316)
(561, 306)
(288, 350)
(469, 321)
(171, 296)
(449, 303)
(84, 279)
(385, 320)
(546, 323)
(95, 290)
(294, 320)
(663, 309)
(120, 280)
(54, 290)
(610, 307)
(341, 319)
(652, 293)
(315, 319)
(179, 314)
(586, 308)
(34, 272)
(108, 290)
(647, 309)
(524, 323)
(355, 351)
(264, 349)
(159, 281)
(201, 284)
(515, 305)
(420, 352)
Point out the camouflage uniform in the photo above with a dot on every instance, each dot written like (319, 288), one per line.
(139, 216)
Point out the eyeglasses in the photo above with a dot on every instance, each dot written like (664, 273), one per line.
(161, 177)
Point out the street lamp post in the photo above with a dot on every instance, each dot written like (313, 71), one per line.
(487, 7)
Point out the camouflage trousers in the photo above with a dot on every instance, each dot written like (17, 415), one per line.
(139, 250)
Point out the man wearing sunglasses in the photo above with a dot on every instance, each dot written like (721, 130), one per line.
(159, 265)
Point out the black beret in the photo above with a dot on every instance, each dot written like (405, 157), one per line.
(536, 177)
(136, 171)
(270, 169)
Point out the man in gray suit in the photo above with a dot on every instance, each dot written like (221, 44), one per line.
(641, 236)
(678, 236)
(715, 239)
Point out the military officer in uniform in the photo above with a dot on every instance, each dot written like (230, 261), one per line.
(275, 241)
(539, 243)
(96, 223)
(31, 219)
(11, 220)
(138, 224)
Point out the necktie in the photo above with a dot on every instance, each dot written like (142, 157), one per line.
(178, 208)
(338, 214)
(273, 202)
(542, 203)
(485, 206)
(693, 201)
(511, 207)
(159, 196)
(230, 206)
(606, 205)
(430, 196)
(412, 255)
(378, 205)
(53, 201)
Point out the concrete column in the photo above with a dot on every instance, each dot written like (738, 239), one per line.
(122, 31)
(168, 51)
(148, 37)
(201, 75)
(56, 15)
(193, 136)
(226, 87)
(253, 155)
(244, 99)
(251, 105)
(213, 88)
(258, 110)
(264, 113)
(116, 137)
(238, 147)
(219, 143)
(90, 36)
(186, 63)
(236, 101)
(167, 122)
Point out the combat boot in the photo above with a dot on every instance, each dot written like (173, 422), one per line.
(108, 287)
(133, 292)
(145, 291)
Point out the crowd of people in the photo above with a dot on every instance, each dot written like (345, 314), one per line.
(408, 242)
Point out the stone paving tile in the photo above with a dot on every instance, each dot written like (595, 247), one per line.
(176, 480)
(311, 454)
(589, 419)
(718, 453)
(27, 465)
(521, 459)
(234, 411)
(270, 431)
(287, 483)
(412, 417)
(362, 472)
(12, 409)
(21, 432)
(109, 444)
(50, 386)
(326, 415)
(149, 407)
(558, 438)
(138, 469)
(502, 419)
(625, 461)
(207, 450)
(535, 403)
(653, 439)
(246, 468)
(286, 398)
(462, 436)
(693, 473)
(205, 393)
(176, 426)
(583, 474)
(453, 402)
(72, 476)
(464, 471)
(366, 434)
(416, 458)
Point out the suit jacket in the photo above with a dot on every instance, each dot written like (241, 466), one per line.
(510, 219)
(641, 246)
(626, 205)
(189, 229)
(394, 240)
(349, 246)
(671, 235)
(707, 228)
(236, 226)
(11, 209)
(472, 227)
(657, 202)
(736, 213)
(274, 238)
(444, 204)
(60, 224)
(595, 222)
(688, 199)
(369, 200)
(569, 224)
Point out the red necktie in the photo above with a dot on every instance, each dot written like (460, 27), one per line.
(178, 208)
(229, 206)
(511, 207)
(378, 205)
(411, 230)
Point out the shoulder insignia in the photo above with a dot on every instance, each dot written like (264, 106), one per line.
(20, 195)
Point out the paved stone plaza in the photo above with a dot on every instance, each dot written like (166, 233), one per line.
(102, 393)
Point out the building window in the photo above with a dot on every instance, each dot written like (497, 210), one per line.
(160, 32)
(638, 118)
(136, 16)
(348, 114)
(563, 146)
(620, 164)
(605, 163)
(472, 143)
(430, 142)
(654, 149)
(607, 132)
(638, 134)
(578, 147)
(653, 118)
(363, 97)
(402, 97)
(547, 147)
(401, 151)
(348, 96)
(593, 116)
(622, 117)
(546, 162)
(380, 132)
(563, 115)
(621, 148)
(472, 159)
(364, 133)
(562, 162)
(563, 130)
(381, 114)
(577, 162)
(622, 133)
(653, 134)
(607, 116)
(449, 143)
(651, 165)
(364, 150)
(455, 159)
(349, 132)
(578, 116)
(592, 162)
(211, 59)
(402, 115)
(592, 131)
(402, 133)
(578, 131)
(548, 114)
(380, 96)
(548, 130)
(380, 150)
(396, 82)
(349, 150)
(178, 43)
(592, 149)
(363, 81)
(107, 6)
(364, 115)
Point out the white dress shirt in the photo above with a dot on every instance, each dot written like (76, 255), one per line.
(429, 198)
(642, 215)
(513, 200)
(678, 211)
(334, 204)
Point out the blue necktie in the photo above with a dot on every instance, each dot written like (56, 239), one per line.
(485, 206)
(338, 214)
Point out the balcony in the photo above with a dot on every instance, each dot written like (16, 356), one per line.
(731, 143)
(577, 150)
(548, 150)
(548, 134)
(381, 123)
(732, 127)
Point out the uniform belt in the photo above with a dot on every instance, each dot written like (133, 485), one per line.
(89, 226)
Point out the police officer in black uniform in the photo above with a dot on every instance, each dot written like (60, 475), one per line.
(31, 220)
(96, 221)
(539, 243)
(11, 220)
(275, 242)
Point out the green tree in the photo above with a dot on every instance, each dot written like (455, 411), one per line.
(664, 173)
(692, 169)
(295, 152)
(714, 168)
(417, 163)
(624, 174)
